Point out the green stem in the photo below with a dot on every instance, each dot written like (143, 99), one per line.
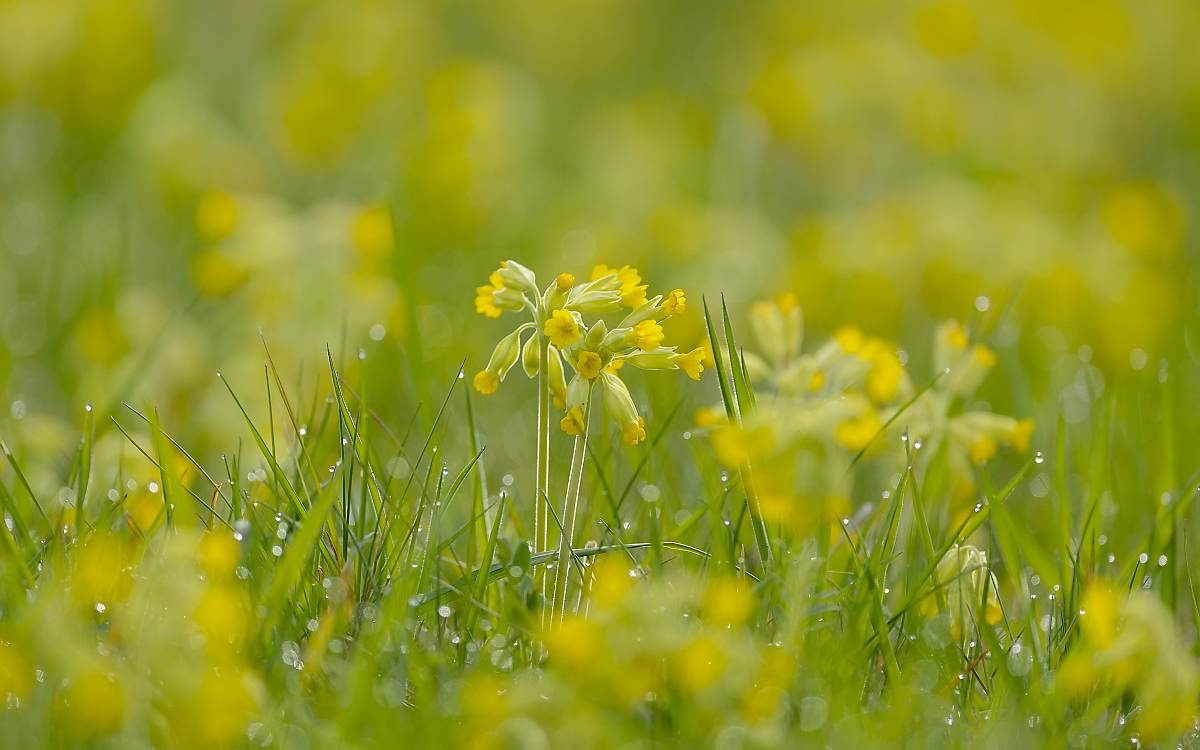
(542, 481)
(569, 517)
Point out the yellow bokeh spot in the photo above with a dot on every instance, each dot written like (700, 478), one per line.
(16, 673)
(218, 553)
(575, 644)
(99, 337)
(93, 705)
(700, 664)
(1144, 218)
(728, 601)
(217, 214)
(857, 432)
(372, 233)
(946, 28)
(223, 614)
(216, 274)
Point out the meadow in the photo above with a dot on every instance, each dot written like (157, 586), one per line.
(602, 375)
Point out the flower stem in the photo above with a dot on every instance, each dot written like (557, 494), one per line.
(569, 516)
(541, 492)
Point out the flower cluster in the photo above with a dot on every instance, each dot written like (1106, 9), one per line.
(819, 409)
(595, 352)
(1131, 642)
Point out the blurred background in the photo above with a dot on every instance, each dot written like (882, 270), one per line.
(180, 180)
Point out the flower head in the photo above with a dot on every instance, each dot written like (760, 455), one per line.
(646, 335)
(675, 302)
(562, 328)
(633, 291)
(588, 364)
(572, 422)
(692, 363)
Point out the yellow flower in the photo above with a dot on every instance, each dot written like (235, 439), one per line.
(633, 433)
(218, 554)
(572, 423)
(956, 335)
(372, 233)
(486, 382)
(883, 379)
(736, 445)
(562, 328)
(817, 381)
(849, 338)
(633, 292)
(217, 215)
(855, 433)
(728, 601)
(675, 302)
(93, 705)
(985, 356)
(646, 335)
(982, 449)
(564, 281)
(588, 364)
(692, 363)
(484, 304)
(1021, 434)
(614, 366)
(699, 664)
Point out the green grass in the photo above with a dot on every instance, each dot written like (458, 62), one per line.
(383, 586)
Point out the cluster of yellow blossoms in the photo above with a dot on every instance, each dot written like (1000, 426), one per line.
(1130, 642)
(819, 409)
(594, 352)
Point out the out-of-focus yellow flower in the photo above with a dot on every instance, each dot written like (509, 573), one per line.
(692, 363)
(856, 432)
(372, 233)
(102, 572)
(1133, 644)
(850, 338)
(946, 28)
(886, 374)
(562, 328)
(216, 274)
(99, 337)
(709, 416)
(93, 704)
(982, 449)
(217, 214)
(217, 714)
(610, 581)
(575, 644)
(728, 602)
(223, 615)
(564, 281)
(1021, 435)
(699, 664)
(1144, 218)
(218, 554)
(646, 335)
(736, 445)
(16, 673)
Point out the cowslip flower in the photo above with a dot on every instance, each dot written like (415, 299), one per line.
(594, 351)
(972, 437)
